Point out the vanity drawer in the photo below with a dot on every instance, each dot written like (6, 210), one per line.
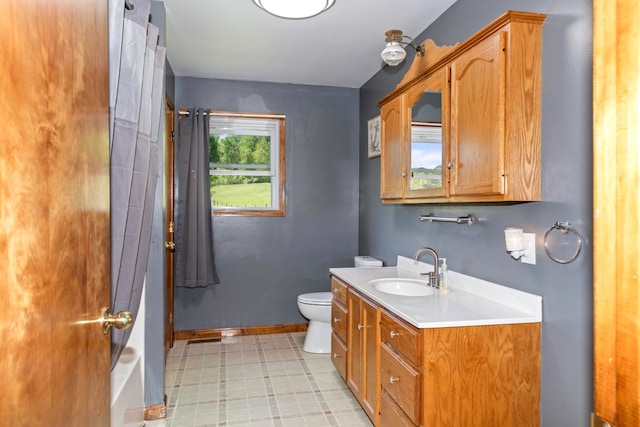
(390, 414)
(401, 381)
(339, 355)
(339, 320)
(402, 337)
(339, 290)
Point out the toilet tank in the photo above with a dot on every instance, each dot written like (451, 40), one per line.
(367, 261)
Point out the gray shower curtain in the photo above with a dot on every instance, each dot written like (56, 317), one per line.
(136, 97)
(195, 266)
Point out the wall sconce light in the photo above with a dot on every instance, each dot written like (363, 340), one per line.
(294, 9)
(394, 52)
(520, 245)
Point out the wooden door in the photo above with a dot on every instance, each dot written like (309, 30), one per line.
(477, 119)
(616, 209)
(169, 167)
(54, 213)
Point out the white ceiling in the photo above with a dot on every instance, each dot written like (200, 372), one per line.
(234, 39)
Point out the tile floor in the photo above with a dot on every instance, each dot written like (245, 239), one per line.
(261, 380)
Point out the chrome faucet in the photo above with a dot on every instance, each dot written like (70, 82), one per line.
(434, 276)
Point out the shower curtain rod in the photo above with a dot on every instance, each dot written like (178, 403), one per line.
(128, 4)
(184, 112)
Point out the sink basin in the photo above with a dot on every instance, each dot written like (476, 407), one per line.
(404, 287)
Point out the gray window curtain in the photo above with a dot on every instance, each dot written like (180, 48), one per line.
(136, 98)
(195, 266)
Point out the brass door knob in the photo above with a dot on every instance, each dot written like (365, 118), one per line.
(120, 320)
(170, 245)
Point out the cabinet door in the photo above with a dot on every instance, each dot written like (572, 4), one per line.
(392, 130)
(427, 145)
(477, 119)
(355, 339)
(371, 388)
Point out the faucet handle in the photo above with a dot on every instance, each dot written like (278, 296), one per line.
(433, 278)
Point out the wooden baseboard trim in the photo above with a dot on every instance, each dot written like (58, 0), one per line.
(236, 332)
(156, 412)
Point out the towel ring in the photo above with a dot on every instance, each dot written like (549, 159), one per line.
(564, 228)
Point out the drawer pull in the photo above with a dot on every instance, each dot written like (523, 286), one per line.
(393, 379)
(394, 334)
(360, 327)
(336, 319)
(336, 355)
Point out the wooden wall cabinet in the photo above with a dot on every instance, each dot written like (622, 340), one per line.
(490, 118)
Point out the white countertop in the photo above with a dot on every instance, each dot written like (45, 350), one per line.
(469, 302)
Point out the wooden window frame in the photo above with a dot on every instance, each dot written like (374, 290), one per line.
(278, 210)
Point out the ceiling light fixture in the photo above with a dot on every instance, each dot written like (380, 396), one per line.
(394, 52)
(294, 9)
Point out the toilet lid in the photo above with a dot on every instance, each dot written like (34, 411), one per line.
(316, 298)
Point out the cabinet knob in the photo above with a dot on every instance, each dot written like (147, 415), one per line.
(336, 355)
(393, 379)
(360, 327)
(404, 174)
(336, 319)
(449, 165)
(393, 334)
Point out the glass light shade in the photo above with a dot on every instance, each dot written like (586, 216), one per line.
(514, 239)
(393, 54)
(294, 9)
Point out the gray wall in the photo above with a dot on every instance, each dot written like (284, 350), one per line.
(478, 250)
(264, 263)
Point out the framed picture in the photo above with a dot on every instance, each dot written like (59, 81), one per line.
(373, 142)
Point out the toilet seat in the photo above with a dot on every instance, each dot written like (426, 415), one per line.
(316, 298)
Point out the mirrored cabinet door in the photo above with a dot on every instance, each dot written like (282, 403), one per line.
(427, 151)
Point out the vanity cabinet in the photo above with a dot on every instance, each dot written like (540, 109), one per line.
(472, 376)
(363, 359)
(489, 93)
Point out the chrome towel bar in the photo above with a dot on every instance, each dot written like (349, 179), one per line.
(469, 219)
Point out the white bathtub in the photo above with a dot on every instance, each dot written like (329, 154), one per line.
(127, 393)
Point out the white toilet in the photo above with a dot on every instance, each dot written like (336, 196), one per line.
(316, 307)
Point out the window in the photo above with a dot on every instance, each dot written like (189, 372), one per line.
(246, 164)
